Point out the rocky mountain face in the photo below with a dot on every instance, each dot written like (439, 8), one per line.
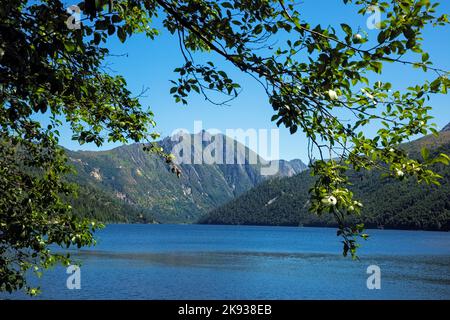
(145, 182)
(446, 128)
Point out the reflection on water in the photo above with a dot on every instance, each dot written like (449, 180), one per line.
(199, 259)
(216, 262)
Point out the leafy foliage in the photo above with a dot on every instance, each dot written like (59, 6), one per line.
(48, 68)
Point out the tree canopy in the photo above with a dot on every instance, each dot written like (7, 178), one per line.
(52, 64)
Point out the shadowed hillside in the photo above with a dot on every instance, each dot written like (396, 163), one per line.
(387, 202)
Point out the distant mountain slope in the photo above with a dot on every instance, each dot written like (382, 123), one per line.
(95, 203)
(387, 202)
(143, 182)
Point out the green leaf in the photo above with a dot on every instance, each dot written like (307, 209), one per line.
(258, 29)
(425, 153)
(347, 29)
(121, 34)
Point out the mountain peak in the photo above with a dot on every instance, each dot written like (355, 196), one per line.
(447, 127)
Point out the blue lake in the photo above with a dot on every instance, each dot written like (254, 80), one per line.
(242, 262)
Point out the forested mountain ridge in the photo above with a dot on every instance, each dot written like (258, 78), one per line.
(141, 184)
(97, 204)
(388, 203)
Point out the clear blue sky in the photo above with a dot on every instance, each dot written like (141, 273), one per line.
(150, 64)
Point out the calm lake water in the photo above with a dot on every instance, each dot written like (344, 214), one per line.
(240, 262)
